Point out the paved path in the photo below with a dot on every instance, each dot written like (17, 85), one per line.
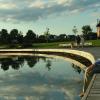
(93, 91)
(93, 50)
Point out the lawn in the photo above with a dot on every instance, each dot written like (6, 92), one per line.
(95, 42)
(56, 44)
(48, 45)
(52, 45)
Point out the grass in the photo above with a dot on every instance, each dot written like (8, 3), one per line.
(52, 45)
(48, 45)
(95, 42)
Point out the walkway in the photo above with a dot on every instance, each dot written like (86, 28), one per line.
(93, 50)
(93, 91)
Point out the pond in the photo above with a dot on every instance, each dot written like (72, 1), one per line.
(39, 78)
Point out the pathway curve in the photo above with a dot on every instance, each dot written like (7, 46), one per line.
(93, 50)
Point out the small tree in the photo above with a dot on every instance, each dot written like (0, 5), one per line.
(75, 31)
(47, 34)
(86, 29)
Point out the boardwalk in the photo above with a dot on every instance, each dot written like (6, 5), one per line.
(93, 91)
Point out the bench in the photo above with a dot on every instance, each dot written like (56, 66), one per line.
(75, 45)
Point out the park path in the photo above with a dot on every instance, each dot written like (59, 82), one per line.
(93, 90)
(95, 51)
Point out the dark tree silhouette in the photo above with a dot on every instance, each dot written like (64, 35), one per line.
(20, 38)
(86, 29)
(4, 36)
(13, 36)
(41, 39)
(62, 37)
(29, 38)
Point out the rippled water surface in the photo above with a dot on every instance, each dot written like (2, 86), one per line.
(39, 78)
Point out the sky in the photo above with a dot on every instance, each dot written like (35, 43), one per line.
(60, 16)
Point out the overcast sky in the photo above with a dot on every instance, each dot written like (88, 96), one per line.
(59, 15)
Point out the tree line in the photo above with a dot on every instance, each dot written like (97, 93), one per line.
(15, 37)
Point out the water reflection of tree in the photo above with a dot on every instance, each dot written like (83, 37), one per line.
(5, 62)
(48, 64)
(17, 62)
(31, 61)
(76, 68)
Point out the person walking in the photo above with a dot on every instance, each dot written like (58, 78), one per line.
(82, 40)
(78, 40)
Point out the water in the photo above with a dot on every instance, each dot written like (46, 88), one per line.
(39, 78)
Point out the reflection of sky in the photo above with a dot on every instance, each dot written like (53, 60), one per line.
(37, 83)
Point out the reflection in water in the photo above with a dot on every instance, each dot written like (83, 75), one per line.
(77, 68)
(38, 78)
(48, 64)
(18, 61)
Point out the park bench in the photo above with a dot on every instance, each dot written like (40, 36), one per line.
(75, 45)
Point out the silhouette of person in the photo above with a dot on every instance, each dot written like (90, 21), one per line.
(78, 40)
(82, 40)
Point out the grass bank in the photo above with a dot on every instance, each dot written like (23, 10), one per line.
(96, 43)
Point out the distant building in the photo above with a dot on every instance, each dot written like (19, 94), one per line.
(98, 28)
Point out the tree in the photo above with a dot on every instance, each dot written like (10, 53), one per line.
(75, 31)
(20, 37)
(42, 39)
(62, 37)
(47, 34)
(29, 38)
(4, 36)
(86, 29)
(14, 36)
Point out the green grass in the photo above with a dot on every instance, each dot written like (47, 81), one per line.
(56, 44)
(95, 42)
(48, 45)
(52, 45)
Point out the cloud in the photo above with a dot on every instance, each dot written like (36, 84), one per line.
(37, 4)
(7, 6)
(29, 10)
(95, 14)
(64, 2)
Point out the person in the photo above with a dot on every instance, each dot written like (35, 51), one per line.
(78, 40)
(72, 45)
(89, 72)
(82, 40)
